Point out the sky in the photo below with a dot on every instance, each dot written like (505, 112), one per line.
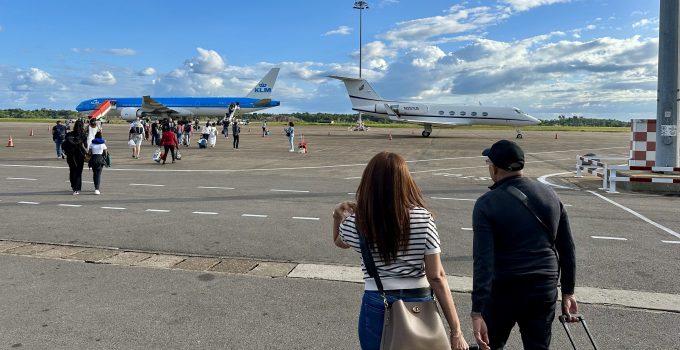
(591, 58)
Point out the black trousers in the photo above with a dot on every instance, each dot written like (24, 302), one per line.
(237, 137)
(172, 151)
(528, 302)
(75, 171)
(97, 176)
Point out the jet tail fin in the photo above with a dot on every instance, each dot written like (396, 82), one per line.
(263, 89)
(360, 91)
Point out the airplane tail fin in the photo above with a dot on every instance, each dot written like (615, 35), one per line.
(263, 89)
(360, 91)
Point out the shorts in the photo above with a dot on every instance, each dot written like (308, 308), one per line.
(137, 139)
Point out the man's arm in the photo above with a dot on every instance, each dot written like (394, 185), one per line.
(564, 244)
(483, 255)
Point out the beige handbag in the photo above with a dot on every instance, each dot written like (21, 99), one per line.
(409, 325)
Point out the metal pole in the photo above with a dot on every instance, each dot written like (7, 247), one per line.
(667, 121)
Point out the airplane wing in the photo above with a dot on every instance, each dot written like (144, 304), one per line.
(151, 106)
(390, 111)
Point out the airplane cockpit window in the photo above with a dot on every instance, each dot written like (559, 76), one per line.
(441, 112)
(518, 111)
(474, 114)
(462, 113)
(485, 114)
(452, 113)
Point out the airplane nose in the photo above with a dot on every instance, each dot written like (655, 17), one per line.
(532, 119)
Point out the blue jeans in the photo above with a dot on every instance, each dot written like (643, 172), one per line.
(372, 317)
(58, 143)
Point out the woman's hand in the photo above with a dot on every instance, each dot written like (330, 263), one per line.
(458, 342)
(344, 209)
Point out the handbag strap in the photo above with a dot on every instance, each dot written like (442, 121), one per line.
(369, 264)
(517, 193)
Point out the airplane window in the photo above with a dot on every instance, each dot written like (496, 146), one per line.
(485, 114)
(518, 111)
(452, 113)
(441, 112)
(462, 113)
(474, 114)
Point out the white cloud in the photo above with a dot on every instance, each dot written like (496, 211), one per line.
(207, 62)
(121, 52)
(29, 80)
(101, 78)
(524, 5)
(147, 72)
(645, 22)
(342, 30)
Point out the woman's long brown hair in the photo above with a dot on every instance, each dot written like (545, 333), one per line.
(386, 194)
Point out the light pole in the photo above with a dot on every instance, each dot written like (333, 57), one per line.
(361, 6)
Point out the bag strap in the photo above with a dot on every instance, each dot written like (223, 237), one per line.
(517, 193)
(369, 264)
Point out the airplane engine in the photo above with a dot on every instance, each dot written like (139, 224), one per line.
(130, 113)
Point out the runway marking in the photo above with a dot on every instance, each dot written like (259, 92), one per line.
(644, 218)
(482, 166)
(21, 178)
(305, 218)
(158, 210)
(352, 178)
(114, 208)
(254, 215)
(609, 238)
(544, 180)
(295, 191)
(455, 199)
(352, 193)
(204, 212)
(568, 205)
(216, 188)
(466, 228)
(70, 205)
(671, 242)
(150, 185)
(22, 202)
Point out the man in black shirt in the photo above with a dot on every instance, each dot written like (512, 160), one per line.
(521, 242)
(58, 136)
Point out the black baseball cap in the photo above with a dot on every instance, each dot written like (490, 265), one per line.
(506, 155)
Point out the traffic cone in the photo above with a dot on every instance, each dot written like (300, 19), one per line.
(31, 133)
(389, 136)
(10, 142)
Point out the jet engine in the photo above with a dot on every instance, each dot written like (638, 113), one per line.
(130, 113)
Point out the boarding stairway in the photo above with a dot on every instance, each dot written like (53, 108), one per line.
(102, 109)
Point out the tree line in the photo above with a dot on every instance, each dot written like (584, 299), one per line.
(312, 117)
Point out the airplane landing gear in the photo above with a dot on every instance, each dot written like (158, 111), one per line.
(519, 134)
(427, 131)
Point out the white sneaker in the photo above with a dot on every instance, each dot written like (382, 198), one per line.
(75, 193)
(291, 150)
(97, 192)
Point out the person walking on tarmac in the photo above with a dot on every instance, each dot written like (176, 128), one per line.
(97, 151)
(169, 142)
(290, 133)
(236, 132)
(58, 136)
(136, 135)
(74, 146)
(521, 242)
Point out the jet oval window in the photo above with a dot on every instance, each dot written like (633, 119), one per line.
(452, 113)
(462, 113)
(485, 114)
(441, 112)
(474, 114)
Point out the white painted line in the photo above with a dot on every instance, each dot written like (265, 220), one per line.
(672, 242)
(568, 205)
(544, 180)
(352, 193)
(466, 228)
(71, 205)
(352, 178)
(296, 191)
(21, 178)
(159, 210)
(610, 238)
(150, 185)
(204, 212)
(455, 199)
(22, 202)
(216, 188)
(113, 208)
(254, 215)
(305, 218)
(664, 228)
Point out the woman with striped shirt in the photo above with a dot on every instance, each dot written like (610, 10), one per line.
(391, 216)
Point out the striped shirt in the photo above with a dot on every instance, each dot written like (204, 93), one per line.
(407, 271)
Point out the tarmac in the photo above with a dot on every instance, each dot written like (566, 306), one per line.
(231, 248)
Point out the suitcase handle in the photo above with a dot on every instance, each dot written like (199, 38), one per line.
(581, 319)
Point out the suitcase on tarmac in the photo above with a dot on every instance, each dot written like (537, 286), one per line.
(582, 321)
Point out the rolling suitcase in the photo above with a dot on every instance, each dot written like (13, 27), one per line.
(581, 320)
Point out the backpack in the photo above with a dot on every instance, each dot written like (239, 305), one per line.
(187, 128)
(137, 130)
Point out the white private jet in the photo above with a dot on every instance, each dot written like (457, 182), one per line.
(366, 100)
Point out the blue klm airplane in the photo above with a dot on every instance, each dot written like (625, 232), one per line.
(130, 108)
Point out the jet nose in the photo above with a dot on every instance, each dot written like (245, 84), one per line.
(532, 120)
